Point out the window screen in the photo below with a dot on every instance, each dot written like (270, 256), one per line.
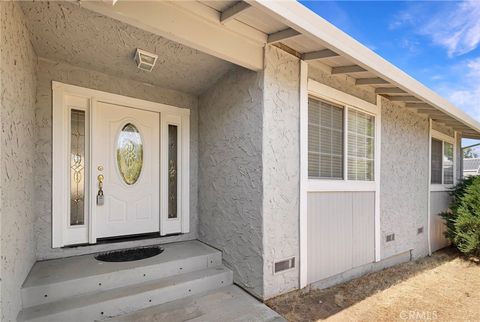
(447, 163)
(436, 162)
(325, 140)
(361, 145)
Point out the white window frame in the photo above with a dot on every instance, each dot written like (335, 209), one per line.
(434, 134)
(346, 101)
(309, 87)
(67, 97)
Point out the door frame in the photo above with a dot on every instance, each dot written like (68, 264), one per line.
(66, 97)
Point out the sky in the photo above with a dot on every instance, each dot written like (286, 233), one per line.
(438, 43)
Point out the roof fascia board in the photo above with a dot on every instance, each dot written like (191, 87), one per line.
(186, 27)
(300, 18)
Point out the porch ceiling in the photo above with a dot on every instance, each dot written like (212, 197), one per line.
(67, 32)
(238, 31)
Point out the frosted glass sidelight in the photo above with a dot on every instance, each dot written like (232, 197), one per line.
(77, 167)
(172, 170)
(129, 153)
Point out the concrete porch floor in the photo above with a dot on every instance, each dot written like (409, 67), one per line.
(229, 303)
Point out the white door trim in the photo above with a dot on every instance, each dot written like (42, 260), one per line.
(64, 98)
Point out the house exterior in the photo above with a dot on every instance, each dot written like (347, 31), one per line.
(264, 132)
(471, 167)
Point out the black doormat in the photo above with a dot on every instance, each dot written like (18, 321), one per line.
(129, 255)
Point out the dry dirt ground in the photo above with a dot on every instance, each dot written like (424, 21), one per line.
(444, 287)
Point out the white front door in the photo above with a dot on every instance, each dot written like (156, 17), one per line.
(125, 151)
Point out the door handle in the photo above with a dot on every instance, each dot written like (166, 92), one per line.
(100, 197)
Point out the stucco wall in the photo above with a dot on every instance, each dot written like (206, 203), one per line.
(230, 174)
(62, 72)
(281, 159)
(404, 180)
(18, 85)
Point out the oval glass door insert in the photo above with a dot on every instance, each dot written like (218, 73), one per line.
(129, 153)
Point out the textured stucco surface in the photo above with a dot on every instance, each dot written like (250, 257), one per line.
(404, 180)
(58, 71)
(67, 32)
(281, 159)
(230, 174)
(17, 102)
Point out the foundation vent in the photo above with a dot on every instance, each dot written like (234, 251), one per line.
(390, 237)
(145, 60)
(420, 230)
(284, 265)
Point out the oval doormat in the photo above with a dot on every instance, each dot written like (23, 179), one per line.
(128, 255)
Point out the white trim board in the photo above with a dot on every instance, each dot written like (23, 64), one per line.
(303, 173)
(117, 99)
(66, 97)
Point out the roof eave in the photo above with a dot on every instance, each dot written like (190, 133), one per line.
(303, 20)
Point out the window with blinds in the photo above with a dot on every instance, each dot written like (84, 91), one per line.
(442, 162)
(436, 161)
(325, 140)
(361, 145)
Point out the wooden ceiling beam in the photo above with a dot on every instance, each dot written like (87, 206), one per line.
(233, 11)
(347, 69)
(430, 111)
(407, 98)
(282, 35)
(320, 54)
(370, 81)
(389, 90)
(419, 105)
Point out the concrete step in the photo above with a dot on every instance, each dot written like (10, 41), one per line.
(53, 280)
(100, 305)
(229, 303)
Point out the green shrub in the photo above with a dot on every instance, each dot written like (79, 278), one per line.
(463, 219)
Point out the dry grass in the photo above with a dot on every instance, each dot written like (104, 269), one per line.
(444, 287)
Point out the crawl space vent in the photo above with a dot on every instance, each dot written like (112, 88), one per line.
(284, 265)
(145, 60)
